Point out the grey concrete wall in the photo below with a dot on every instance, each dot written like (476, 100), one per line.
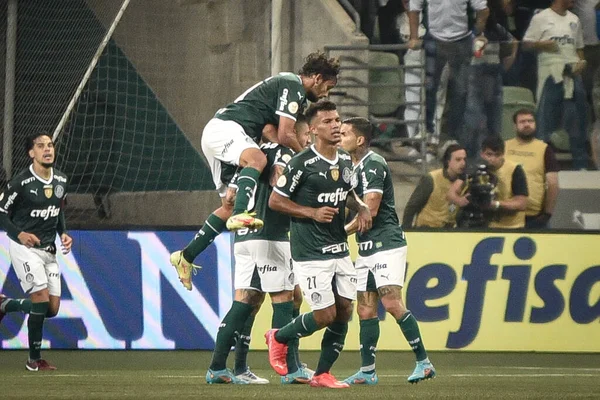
(197, 56)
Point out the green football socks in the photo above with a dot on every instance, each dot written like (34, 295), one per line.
(331, 346)
(212, 227)
(35, 327)
(369, 335)
(232, 324)
(246, 182)
(410, 329)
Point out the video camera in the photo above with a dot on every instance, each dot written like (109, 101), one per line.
(480, 189)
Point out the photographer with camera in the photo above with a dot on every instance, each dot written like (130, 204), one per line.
(495, 195)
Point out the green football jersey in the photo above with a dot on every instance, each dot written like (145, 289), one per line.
(277, 225)
(312, 180)
(265, 102)
(374, 175)
(34, 205)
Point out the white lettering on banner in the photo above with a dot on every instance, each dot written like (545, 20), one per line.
(153, 255)
(153, 252)
(82, 306)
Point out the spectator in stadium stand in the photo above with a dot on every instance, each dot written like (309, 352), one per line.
(384, 12)
(586, 11)
(560, 92)
(507, 210)
(428, 205)
(448, 40)
(541, 168)
(483, 113)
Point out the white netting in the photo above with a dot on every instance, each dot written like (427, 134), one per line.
(119, 137)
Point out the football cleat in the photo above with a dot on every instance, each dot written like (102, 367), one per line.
(327, 380)
(223, 376)
(39, 365)
(251, 378)
(244, 220)
(277, 353)
(184, 268)
(424, 370)
(301, 376)
(363, 378)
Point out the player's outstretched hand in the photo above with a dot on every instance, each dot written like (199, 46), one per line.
(364, 219)
(66, 242)
(28, 239)
(325, 214)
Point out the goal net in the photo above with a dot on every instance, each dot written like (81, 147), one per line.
(118, 136)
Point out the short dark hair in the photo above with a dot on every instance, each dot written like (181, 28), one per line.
(362, 127)
(318, 63)
(301, 119)
(448, 153)
(523, 111)
(30, 139)
(494, 143)
(323, 105)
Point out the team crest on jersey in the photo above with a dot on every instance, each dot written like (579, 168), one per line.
(281, 181)
(60, 191)
(286, 158)
(315, 298)
(335, 173)
(48, 191)
(346, 175)
(293, 107)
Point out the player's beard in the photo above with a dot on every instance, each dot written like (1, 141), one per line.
(47, 164)
(312, 97)
(526, 136)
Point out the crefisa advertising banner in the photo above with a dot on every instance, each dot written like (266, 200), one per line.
(471, 291)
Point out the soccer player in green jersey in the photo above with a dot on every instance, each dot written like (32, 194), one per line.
(31, 213)
(381, 263)
(314, 190)
(231, 137)
(262, 265)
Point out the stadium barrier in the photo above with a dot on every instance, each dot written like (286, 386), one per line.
(472, 291)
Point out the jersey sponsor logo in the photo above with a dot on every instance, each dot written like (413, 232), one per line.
(33, 191)
(344, 156)
(281, 181)
(60, 191)
(50, 212)
(333, 197)
(346, 175)
(295, 180)
(226, 147)
(311, 161)
(48, 189)
(364, 246)
(373, 171)
(335, 248)
(323, 174)
(10, 200)
(379, 266)
(283, 99)
(60, 179)
(28, 180)
(293, 107)
(267, 268)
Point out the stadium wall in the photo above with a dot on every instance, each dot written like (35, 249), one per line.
(470, 291)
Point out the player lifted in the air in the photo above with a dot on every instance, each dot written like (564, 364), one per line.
(231, 137)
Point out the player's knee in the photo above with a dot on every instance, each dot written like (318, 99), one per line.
(52, 312)
(325, 317)
(365, 311)
(253, 158)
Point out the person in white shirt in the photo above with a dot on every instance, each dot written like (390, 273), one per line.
(448, 40)
(556, 34)
(586, 11)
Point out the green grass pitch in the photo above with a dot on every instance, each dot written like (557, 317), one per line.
(180, 374)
